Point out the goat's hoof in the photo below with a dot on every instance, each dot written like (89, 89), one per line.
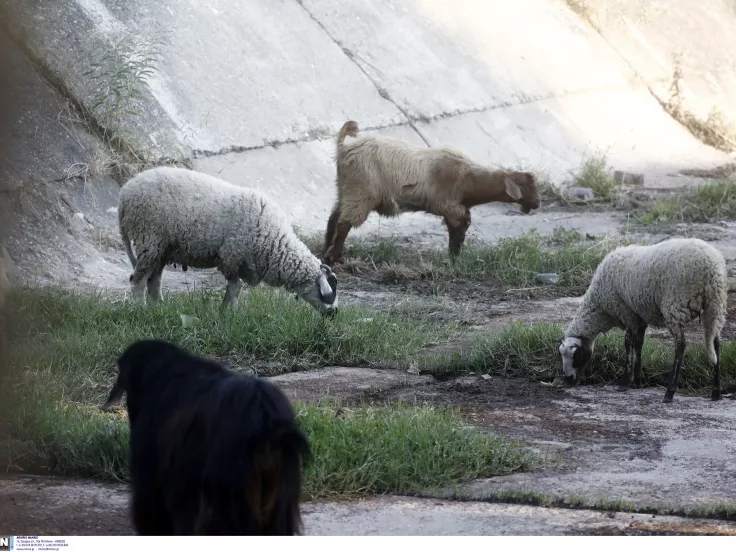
(715, 395)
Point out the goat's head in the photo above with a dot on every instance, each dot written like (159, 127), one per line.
(139, 364)
(322, 293)
(522, 188)
(576, 353)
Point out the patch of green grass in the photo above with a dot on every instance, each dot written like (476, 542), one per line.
(364, 450)
(513, 262)
(530, 352)
(399, 449)
(74, 340)
(706, 203)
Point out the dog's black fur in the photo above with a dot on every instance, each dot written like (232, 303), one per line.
(211, 452)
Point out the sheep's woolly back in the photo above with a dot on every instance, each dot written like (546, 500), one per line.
(201, 221)
(664, 285)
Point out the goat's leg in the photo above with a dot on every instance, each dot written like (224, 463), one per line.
(625, 381)
(679, 335)
(331, 227)
(335, 251)
(716, 393)
(457, 226)
(638, 345)
(231, 293)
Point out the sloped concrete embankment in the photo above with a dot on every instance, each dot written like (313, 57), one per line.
(254, 93)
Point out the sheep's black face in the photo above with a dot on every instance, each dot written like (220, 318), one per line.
(323, 295)
(576, 353)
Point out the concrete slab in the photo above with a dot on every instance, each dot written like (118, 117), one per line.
(445, 57)
(50, 506)
(43, 143)
(624, 446)
(344, 383)
(554, 136)
(650, 36)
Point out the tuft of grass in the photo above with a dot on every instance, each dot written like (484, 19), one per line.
(594, 174)
(363, 450)
(705, 203)
(530, 352)
(513, 262)
(74, 340)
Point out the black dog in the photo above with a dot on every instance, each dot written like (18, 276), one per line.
(211, 452)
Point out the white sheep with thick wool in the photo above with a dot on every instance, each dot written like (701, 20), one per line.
(175, 215)
(667, 284)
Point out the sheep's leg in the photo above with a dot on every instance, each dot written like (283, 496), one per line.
(679, 335)
(144, 268)
(336, 250)
(638, 345)
(627, 379)
(331, 227)
(716, 393)
(154, 284)
(231, 293)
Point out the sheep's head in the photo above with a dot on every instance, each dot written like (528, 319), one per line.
(322, 294)
(522, 188)
(576, 353)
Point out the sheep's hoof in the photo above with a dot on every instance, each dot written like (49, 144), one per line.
(715, 395)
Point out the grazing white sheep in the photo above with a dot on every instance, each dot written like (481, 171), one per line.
(180, 216)
(664, 285)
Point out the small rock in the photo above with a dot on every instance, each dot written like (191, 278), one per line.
(414, 368)
(547, 278)
(590, 237)
(486, 376)
(723, 223)
(583, 194)
(627, 178)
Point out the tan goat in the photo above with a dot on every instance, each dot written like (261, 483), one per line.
(391, 177)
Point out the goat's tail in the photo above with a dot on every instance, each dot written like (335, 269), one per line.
(348, 129)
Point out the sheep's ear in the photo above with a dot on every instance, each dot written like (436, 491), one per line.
(512, 189)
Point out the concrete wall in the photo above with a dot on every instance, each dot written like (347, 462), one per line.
(255, 91)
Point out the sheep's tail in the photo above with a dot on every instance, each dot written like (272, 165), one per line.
(126, 243)
(714, 314)
(348, 129)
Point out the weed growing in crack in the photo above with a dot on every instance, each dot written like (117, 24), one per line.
(117, 78)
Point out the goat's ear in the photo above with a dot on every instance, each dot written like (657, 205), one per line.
(512, 189)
